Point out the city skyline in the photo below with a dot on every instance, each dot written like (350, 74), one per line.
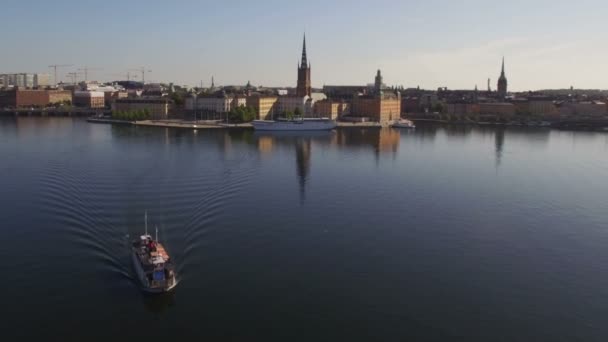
(427, 45)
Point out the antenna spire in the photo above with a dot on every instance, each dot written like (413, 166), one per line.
(304, 57)
(146, 219)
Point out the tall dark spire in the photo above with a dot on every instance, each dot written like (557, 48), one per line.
(304, 87)
(502, 82)
(304, 58)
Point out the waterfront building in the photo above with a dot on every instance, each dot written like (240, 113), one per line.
(344, 92)
(111, 95)
(159, 107)
(535, 106)
(542, 107)
(220, 102)
(264, 105)
(502, 82)
(238, 100)
(33, 98)
(304, 87)
(331, 108)
(381, 106)
(216, 103)
(303, 104)
(428, 102)
(410, 104)
(594, 109)
(500, 109)
(89, 99)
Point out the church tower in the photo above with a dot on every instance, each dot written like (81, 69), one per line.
(378, 83)
(304, 84)
(502, 82)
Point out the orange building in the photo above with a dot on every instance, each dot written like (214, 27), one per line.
(380, 108)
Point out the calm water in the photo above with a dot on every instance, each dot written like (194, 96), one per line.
(445, 233)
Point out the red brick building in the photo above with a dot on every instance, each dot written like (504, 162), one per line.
(33, 98)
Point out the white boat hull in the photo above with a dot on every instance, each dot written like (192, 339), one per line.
(402, 126)
(402, 123)
(295, 125)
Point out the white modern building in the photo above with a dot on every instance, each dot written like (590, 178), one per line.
(215, 103)
(25, 80)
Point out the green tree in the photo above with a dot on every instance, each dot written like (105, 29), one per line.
(177, 98)
(297, 112)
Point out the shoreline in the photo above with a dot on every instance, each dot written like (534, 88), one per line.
(565, 125)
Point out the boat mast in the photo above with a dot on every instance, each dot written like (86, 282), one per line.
(146, 218)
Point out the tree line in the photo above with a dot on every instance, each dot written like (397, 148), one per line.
(131, 115)
(242, 114)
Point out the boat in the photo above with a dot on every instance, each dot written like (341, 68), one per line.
(299, 124)
(403, 123)
(152, 263)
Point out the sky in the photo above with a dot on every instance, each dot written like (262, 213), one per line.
(431, 43)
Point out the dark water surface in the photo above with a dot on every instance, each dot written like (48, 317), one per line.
(441, 234)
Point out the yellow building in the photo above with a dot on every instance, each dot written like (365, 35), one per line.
(331, 109)
(264, 105)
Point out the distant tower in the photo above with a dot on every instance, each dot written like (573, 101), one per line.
(304, 84)
(378, 82)
(476, 95)
(489, 87)
(502, 82)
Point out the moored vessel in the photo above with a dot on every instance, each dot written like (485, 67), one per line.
(301, 124)
(153, 265)
(403, 123)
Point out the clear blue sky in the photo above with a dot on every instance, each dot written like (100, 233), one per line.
(433, 43)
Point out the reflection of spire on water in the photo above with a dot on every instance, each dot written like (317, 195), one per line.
(499, 141)
(302, 164)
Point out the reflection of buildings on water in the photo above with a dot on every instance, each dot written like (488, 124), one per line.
(499, 142)
(268, 142)
(265, 145)
(380, 140)
(303, 152)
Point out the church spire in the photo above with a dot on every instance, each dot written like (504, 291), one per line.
(304, 57)
(502, 72)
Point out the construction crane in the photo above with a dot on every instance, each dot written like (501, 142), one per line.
(128, 75)
(86, 71)
(73, 76)
(143, 73)
(59, 66)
